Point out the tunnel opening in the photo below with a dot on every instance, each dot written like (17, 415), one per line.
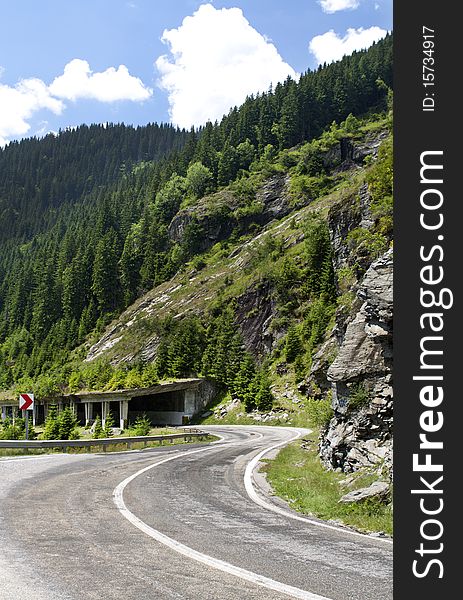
(167, 408)
(115, 410)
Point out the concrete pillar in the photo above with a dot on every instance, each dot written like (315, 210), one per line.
(104, 412)
(190, 402)
(88, 413)
(124, 413)
(3, 413)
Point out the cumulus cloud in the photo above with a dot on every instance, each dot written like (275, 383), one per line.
(19, 103)
(330, 46)
(79, 81)
(217, 59)
(332, 6)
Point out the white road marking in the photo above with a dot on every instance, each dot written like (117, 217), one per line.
(251, 491)
(118, 497)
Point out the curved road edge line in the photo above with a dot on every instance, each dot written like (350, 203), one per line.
(118, 498)
(257, 499)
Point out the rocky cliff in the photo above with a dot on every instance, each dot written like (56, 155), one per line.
(360, 433)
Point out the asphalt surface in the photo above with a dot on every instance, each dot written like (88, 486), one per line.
(64, 537)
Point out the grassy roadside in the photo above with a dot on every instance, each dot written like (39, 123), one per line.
(297, 475)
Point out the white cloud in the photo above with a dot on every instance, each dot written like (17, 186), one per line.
(78, 81)
(19, 103)
(330, 46)
(217, 59)
(332, 6)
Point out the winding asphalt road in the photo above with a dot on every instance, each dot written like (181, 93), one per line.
(180, 522)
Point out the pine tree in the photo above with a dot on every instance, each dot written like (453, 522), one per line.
(244, 377)
(318, 257)
(51, 429)
(289, 129)
(67, 425)
(46, 305)
(264, 397)
(108, 425)
(293, 345)
(163, 360)
(98, 431)
(105, 281)
(131, 262)
(228, 164)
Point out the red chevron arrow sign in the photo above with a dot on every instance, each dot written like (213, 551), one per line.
(26, 401)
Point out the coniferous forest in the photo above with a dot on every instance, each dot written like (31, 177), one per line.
(85, 215)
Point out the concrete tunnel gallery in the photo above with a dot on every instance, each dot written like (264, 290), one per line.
(173, 403)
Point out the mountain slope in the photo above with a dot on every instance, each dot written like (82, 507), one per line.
(307, 336)
(241, 255)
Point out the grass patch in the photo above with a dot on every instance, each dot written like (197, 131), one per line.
(297, 475)
(237, 415)
(115, 447)
(6, 452)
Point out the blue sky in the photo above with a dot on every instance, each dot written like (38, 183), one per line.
(182, 61)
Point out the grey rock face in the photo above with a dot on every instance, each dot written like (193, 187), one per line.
(360, 434)
(378, 490)
(348, 152)
(254, 313)
(217, 218)
(274, 197)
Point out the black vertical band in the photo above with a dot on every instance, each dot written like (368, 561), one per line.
(427, 298)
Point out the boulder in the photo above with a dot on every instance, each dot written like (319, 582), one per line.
(379, 490)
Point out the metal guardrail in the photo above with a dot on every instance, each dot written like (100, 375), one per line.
(103, 442)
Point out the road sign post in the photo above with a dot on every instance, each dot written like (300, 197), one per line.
(26, 422)
(26, 402)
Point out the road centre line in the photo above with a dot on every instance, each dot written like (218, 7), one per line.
(118, 497)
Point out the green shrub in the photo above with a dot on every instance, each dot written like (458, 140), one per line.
(16, 431)
(198, 179)
(244, 188)
(142, 426)
(134, 378)
(253, 209)
(358, 396)
(367, 243)
(320, 412)
(118, 380)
